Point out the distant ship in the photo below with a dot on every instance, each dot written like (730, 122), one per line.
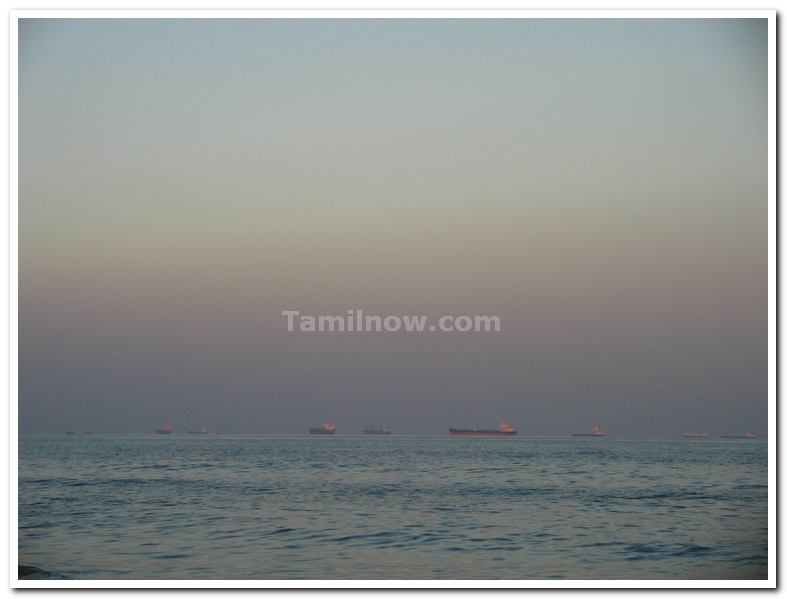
(697, 435)
(201, 431)
(594, 432)
(328, 428)
(165, 430)
(377, 431)
(504, 429)
(748, 435)
(79, 433)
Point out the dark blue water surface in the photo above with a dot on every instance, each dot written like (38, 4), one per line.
(264, 507)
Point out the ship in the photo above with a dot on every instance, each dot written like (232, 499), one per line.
(79, 433)
(329, 428)
(594, 432)
(377, 431)
(748, 435)
(165, 430)
(697, 435)
(503, 430)
(200, 431)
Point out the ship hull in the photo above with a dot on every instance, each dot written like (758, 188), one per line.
(461, 432)
(320, 431)
(376, 432)
(587, 435)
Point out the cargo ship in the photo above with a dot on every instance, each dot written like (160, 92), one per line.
(200, 431)
(594, 432)
(377, 431)
(748, 435)
(79, 433)
(328, 428)
(697, 435)
(165, 430)
(504, 429)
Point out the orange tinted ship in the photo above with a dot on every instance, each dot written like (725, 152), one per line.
(504, 430)
(329, 428)
(594, 432)
(385, 430)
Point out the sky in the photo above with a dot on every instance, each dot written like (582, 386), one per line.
(600, 185)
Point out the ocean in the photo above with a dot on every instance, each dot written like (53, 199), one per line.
(394, 507)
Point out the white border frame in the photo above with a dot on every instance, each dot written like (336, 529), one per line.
(381, 14)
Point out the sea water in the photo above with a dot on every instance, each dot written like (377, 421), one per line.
(268, 507)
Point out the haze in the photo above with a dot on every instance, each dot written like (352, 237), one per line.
(601, 185)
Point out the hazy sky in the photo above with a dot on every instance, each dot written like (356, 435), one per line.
(600, 185)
